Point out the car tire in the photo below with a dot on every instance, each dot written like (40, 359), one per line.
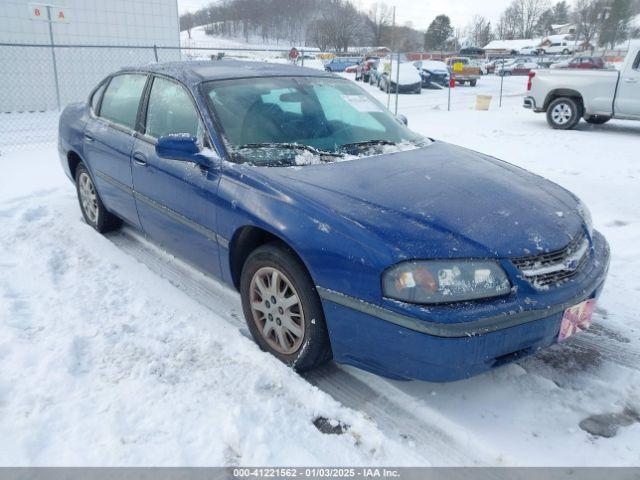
(311, 347)
(93, 210)
(566, 51)
(563, 113)
(596, 119)
(473, 83)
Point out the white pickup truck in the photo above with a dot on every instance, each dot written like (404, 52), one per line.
(595, 95)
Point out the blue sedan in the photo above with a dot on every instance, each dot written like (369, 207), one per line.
(349, 236)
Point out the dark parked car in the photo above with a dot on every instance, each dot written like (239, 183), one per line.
(472, 52)
(383, 249)
(434, 73)
(339, 64)
(586, 63)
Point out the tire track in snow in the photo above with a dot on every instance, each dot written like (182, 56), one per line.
(430, 440)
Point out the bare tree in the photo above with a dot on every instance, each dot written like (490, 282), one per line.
(521, 19)
(378, 19)
(528, 13)
(507, 28)
(479, 31)
(587, 15)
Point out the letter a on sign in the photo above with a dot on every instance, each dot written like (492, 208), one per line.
(59, 15)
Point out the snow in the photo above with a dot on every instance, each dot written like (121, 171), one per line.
(115, 353)
(512, 44)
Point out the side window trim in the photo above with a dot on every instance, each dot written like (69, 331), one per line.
(144, 107)
(102, 85)
(112, 124)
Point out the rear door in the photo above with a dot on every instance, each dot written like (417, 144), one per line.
(628, 97)
(176, 200)
(108, 140)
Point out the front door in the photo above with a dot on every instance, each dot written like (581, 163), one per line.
(177, 200)
(108, 141)
(628, 98)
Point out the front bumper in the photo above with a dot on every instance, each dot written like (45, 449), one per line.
(414, 87)
(404, 347)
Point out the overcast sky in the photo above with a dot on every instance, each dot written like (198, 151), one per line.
(418, 12)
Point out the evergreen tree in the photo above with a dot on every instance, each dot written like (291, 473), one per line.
(438, 33)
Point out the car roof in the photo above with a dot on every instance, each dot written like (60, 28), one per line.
(194, 72)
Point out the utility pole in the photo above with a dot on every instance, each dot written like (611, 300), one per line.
(393, 36)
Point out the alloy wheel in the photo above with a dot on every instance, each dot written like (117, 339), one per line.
(277, 310)
(88, 197)
(561, 113)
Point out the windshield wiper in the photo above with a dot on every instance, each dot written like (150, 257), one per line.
(366, 143)
(290, 146)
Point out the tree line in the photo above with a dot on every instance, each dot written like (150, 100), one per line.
(339, 25)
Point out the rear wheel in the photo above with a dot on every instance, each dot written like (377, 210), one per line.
(93, 210)
(596, 119)
(563, 113)
(473, 83)
(282, 308)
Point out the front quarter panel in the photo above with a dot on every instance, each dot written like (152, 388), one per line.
(328, 244)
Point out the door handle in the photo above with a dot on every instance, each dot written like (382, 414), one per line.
(88, 138)
(140, 159)
(630, 80)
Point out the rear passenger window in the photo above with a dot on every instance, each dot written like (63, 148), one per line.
(171, 110)
(636, 64)
(121, 99)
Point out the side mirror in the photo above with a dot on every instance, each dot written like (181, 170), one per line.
(403, 119)
(182, 147)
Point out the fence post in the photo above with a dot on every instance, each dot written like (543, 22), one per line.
(388, 82)
(398, 81)
(501, 82)
(53, 58)
(302, 58)
(155, 51)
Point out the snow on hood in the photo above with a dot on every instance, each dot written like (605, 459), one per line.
(434, 66)
(441, 201)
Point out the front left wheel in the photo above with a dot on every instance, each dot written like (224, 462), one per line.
(93, 210)
(282, 308)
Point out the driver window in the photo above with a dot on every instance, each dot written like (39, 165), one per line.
(171, 111)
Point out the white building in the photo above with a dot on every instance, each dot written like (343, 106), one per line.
(27, 82)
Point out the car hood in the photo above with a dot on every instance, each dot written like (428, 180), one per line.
(440, 201)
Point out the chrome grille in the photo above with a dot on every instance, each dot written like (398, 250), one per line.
(555, 267)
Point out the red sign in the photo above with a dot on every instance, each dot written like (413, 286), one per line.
(293, 53)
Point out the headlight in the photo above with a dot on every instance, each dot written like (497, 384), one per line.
(586, 216)
(442, 281)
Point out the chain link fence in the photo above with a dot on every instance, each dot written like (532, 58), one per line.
(37, 81)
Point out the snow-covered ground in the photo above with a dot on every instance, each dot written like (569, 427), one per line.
(115, 353)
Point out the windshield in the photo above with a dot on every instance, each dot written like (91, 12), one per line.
(301, 120)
